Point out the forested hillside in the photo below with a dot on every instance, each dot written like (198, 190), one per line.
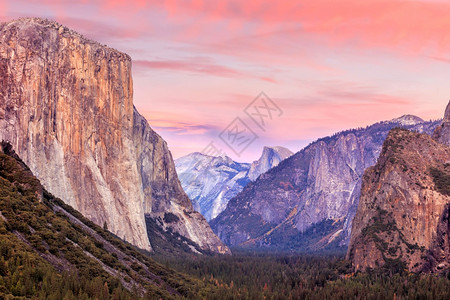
(50, 251)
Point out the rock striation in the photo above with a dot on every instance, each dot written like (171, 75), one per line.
(309, 200)
(66, 106)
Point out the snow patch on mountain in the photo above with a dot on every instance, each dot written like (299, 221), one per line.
(210, 181)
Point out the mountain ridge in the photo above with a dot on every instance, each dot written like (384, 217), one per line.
(322, 181)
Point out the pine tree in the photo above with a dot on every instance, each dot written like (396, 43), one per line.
(3, 268)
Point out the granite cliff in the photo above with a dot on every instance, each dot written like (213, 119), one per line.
(442, 132)
(53, 252)
(403, 213)
(270, 157)
(66, 106)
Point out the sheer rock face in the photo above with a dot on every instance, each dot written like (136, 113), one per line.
(270, 158)
(66, 106)
(442, 133)
(403, 212)
(321, 182)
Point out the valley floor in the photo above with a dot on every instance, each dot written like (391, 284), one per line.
(251, 275)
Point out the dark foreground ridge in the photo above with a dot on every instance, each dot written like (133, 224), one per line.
(49, 250)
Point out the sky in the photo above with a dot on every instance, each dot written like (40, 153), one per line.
(233, 76)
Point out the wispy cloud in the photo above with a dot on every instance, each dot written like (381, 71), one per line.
(353, 94)
(193, 65)
(441, 59)
(170, 122)
(99, 30)
(196, 65)
(386, 23)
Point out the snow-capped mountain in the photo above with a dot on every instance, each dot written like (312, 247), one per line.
(211, 182)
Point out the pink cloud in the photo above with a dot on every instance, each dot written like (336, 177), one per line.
(99, 30)
(410, 26)
(352, 95)
(331, 106)
(381, 23)
(361, 44)
(170, 122)
(441, 59)
(196, 65)
(2, 8)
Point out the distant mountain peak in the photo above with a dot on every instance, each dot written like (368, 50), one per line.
(271, 157)
(447, 113)
(211, 181)
(282, 151)
(199, 156)
(406, 120)
(442, 132)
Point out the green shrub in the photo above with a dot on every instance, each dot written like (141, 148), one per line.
(441, 180)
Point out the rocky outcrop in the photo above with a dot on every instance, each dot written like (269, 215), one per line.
(442, 133)
(270, 158)
(66, 106)
(211, 181)
(403, 213)
(308, 201)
